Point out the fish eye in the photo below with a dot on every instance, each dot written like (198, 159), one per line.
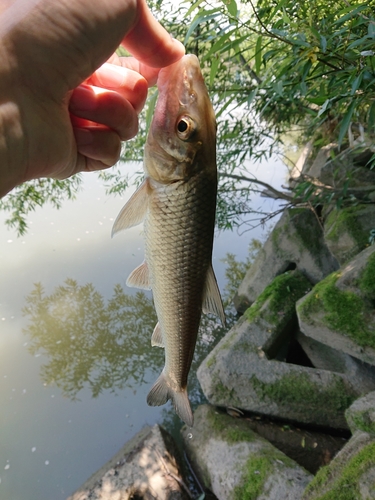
(185, 127)
(182, 126)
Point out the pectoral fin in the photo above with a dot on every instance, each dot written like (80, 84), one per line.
(212, 302)
(140, 277)
(157, 337)
(134, 210)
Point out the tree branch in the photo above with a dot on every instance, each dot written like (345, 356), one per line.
(279, 194)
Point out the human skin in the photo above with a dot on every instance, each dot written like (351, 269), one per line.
(66, 99)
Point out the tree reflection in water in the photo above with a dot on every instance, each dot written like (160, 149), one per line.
(97, 344)
(90, 342)
(106, 345)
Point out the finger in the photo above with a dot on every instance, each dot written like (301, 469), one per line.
(105, 107)
(149, 42)
(128, 82)
(98, 144)
(149, 73)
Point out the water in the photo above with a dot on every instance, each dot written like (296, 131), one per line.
(73, 378)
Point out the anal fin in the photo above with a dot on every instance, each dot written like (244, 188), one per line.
(140, 277)
(157, 337)
(212, 302)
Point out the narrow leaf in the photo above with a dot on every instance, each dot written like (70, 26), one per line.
(346, 122)
(219, 44)
(214, 67)
(194, 6)
(323, 43)
(258, 54)
(201, 17)
(371, 117)
(357, 82)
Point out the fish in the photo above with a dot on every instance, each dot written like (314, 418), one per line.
(177, 202)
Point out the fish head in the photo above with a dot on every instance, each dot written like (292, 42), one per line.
(182, 136)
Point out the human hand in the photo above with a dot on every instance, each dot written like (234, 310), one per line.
(62, 110)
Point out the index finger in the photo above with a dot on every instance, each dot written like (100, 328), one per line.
(149, 42)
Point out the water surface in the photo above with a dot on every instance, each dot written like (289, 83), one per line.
(75, 359)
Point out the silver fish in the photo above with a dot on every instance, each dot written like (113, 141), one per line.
(177, 201)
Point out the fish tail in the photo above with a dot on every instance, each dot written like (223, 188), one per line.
(161, 392)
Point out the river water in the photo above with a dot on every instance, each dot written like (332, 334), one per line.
(75, 357)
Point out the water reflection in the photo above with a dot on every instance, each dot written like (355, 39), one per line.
(102, 345)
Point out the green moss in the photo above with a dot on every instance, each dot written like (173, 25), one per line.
(346, 220)
(211, 361)
(344, 310)
(256, 472)
(297, 389)
(363, 422)
(282, 294)
(345, 486)
(367, 279)
(230, 430)
(308, 233)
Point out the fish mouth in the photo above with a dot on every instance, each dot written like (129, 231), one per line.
(189, 66)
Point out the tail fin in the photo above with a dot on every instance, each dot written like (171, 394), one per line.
(160, 393)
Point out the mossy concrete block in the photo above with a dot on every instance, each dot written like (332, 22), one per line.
(321, 159)
(350, 475)
(340, 312)
(146, 467)
(241, 370)
(296, 242)
(361, 414)
(236, 463)
(350, 165)
(361, 375)
(347, 230)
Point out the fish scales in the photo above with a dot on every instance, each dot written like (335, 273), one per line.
(179, 237)
(177, 200)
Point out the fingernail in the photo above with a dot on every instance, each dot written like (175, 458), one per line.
(110, 75)
(83, 136)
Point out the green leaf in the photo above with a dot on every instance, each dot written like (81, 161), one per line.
(323, 43)
(202, 17)
(194, 6)
(371, 117)
(258, 54)
(346, 122)
(286, 18)
(360, 41)
(214, 67)
(232, 7)
(355, 85)
(220, 43)
(325, 106)
(351, 13)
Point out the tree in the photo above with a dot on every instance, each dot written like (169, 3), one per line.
(269, 65)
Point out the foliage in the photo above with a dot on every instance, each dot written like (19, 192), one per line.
(270, 65)
(26, 197)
